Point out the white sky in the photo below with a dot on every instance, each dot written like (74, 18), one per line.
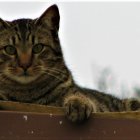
(94, 35)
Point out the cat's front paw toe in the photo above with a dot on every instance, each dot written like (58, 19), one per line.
(78, 109)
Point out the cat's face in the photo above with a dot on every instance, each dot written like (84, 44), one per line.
(30, 49)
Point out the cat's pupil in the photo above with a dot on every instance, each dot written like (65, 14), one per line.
(38, 48)
(9, 49)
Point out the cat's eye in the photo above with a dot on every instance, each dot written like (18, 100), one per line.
(38, 48)
(10, 50)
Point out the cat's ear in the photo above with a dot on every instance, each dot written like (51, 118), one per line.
(50, 18)
(4, 24)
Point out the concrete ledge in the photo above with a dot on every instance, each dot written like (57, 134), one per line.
(36, 122)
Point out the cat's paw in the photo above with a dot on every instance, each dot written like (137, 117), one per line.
(132, 104)
(78, 108)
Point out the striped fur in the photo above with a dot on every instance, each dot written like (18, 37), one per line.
(43, 78)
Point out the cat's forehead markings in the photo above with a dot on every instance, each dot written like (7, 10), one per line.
(23, 29)
(12, 40)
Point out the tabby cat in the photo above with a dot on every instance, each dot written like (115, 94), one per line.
(32, 70)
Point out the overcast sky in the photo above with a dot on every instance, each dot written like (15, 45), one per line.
(94, 36)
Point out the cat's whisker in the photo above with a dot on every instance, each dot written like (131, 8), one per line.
(2, 77)
(51, 74)
(57, 70)
(51, 70)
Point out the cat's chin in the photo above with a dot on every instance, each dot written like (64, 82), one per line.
(23, 79)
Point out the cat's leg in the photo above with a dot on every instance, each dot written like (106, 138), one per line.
(131, 104)
(78, 107)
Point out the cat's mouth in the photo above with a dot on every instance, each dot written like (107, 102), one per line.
(23, 77)
(25, 74)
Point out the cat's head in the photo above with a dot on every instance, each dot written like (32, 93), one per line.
(30, 48)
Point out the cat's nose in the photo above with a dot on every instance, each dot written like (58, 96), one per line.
(25, 66)
(25, 61)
